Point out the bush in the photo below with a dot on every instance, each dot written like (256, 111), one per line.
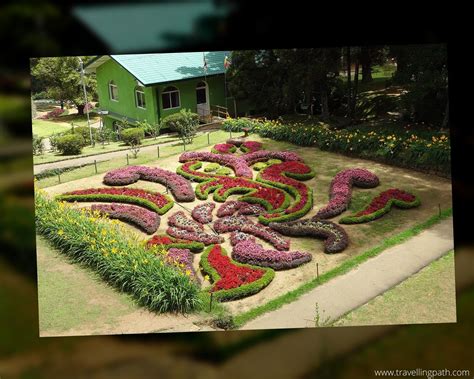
(38, 145)
(238, 124)
(85, 133)
(185, 123)
(70, 144)
(116, 256)
(132, 136)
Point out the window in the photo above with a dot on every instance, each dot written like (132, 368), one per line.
(170, 98)
(201, 97)
(140, 98)
(113, 91)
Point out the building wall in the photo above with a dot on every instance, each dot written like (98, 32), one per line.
(126, 105)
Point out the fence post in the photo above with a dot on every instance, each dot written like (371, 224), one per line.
(95, 164)
(230, 133)
(59, 177)
(128, 163)
(158, 150)
(184, 145)
(208, 140)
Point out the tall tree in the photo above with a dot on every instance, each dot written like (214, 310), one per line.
(60, 79)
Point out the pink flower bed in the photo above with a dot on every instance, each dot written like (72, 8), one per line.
(203, 213)
(244, 224)
(253, 253)
(236, 237)
(341, 190)
(224, 148)
(251, 146)
(180, 187)
(145, 219)
(180, 220)
(264, 155)
(205, 238)
(243, 208)
(238, 164)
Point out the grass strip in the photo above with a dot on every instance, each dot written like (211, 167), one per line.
(348, 265)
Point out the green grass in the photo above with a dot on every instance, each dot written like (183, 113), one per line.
(143, 157)
(45, 128)
(428, 296)
(346, 266)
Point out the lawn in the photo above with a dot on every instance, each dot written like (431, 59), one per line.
(45, 128)
(433, 191)
(417, 300)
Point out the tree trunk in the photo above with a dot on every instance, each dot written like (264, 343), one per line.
(349, 89)
(366, 63)
(356, 87)
(80, 109)
(324, 103)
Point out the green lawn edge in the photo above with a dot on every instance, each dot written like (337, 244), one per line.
(348, 265)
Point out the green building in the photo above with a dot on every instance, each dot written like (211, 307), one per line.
(149, 87)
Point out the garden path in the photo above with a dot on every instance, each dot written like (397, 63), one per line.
(368, 280)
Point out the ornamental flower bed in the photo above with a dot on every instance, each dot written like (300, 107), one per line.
(232, 280)
(253, 253)
(205, 238)
(381, 204)
(242, 208)
(251, 146)
(168, 242)
(182, 259)
(265, 155)
(244, 224)
(341, 190)
(203, 213)
(238, 164)
(334, 236)
(152, 200)
(235, 141)
(180, 220)
(236, 237)
(146, 220)
(180, 188)
(224, 148)
(284, 175)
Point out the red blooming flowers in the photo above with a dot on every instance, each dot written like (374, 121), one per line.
(381, 205)
(250, 146)
(152, 200)
(179, 186)
(223, 148)
(341, 190)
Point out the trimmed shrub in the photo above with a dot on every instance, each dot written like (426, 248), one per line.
(185, 123)
(38, 145)
(70, 144)
(132, 136)
(85, 133)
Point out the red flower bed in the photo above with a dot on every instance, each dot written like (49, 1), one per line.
(223, 148)
(231, 275)
(251, 146)
(152, 200)
(168, 242)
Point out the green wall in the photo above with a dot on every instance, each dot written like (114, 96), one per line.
(126, 83)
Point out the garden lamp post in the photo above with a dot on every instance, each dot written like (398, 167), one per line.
(85, 99)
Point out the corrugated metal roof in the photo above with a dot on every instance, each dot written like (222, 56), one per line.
(159, 68)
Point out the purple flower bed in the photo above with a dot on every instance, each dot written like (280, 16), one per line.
(243, 208)
(236, 237)
(179, 186)
(145, 219)
(244, 224)
(179, 220)
(205, 238)
(203, 213)
(263, 155)
(238, 164)
(334, 236)
(253, 253)
(183, 259)
(341, 190)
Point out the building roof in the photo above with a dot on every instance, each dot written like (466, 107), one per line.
(166, 67)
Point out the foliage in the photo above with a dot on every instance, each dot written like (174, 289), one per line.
(184, 122)
(168, 242)
(118, 258)
(132, 136)
(38, 145)
(60, 78)
(85, 132)
(149, 129)
(70, 144)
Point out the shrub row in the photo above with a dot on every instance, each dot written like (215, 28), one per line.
(122, 261)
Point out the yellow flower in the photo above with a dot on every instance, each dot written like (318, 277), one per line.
(60, 232)
(206, 277)
(188, 272)
(429, 145)
(114, 250)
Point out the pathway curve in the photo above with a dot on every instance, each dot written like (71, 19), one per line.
(370, 279)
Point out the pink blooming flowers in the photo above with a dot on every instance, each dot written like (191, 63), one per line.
(249, 252)
(198, 236)
(182, 259)
(145, 219)
(179, 186)
(264, 155)
(251, 146)
(243, 208)
(224, 148)
(341, 190)
(238, 164)
(203, 213)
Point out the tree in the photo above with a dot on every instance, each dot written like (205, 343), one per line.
(60, 79)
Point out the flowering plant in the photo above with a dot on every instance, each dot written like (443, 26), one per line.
(180, 220)
(198, 236)
(152, 200)
(341, 190)
(167, 242)
(243, 208)
(248, 251)
(238, 164)
(203, 213)
(224, 148)
(236, 237)
(251, 146)
(182, 259)
(381, 204)
(146, 220)
(264, 155)
(180, 188)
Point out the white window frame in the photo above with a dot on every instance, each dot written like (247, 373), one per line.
(140, 90)
(169, 92)
(112, 84)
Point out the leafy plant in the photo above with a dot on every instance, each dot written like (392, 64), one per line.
(185, 123)
(70, 144)
(38, 145)
(132, 136)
